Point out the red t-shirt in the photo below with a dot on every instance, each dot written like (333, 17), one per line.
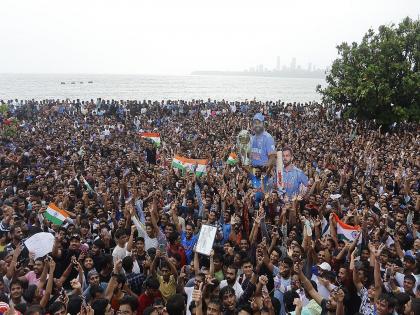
(145, 301)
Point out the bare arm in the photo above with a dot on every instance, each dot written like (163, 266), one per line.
(308, 285)
(56, 250)
(175, 217)
(109, 292)
(197, 263)
(357, 283)
(48, 289)
(131, 239)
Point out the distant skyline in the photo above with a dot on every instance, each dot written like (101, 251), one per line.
(178, 37)
(292, 66)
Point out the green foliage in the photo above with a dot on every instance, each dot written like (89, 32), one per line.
(378, 78)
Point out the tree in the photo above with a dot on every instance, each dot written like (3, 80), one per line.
(378, 78)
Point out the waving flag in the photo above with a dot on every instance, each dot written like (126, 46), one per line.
(346, 232)
(154, 136)
(55, 215)
(191, 165)
(232, 159)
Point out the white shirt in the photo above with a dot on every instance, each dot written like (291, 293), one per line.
(119, 252)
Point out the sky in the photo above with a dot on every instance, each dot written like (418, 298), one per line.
(180, 36)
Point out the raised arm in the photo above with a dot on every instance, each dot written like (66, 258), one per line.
(46, 297)
(131, 239)
(357, 283)
(307, 284)
(377, 272)
(109, 292)
(175, 217)
(56, 250)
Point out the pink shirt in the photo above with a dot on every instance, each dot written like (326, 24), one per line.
(32, 279)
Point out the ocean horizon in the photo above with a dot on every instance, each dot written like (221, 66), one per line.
(157, 87)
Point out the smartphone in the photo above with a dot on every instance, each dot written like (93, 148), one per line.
(162, 248)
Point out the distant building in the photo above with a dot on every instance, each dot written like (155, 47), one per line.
(309, 66)
(293, 64)
(278, 63)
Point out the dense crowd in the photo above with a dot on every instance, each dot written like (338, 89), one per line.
(128, 245)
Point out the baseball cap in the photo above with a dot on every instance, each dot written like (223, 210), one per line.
(325, 266)
(259, 117)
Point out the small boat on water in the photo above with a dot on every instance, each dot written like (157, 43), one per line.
(81, 82)
(90, 81)
(73, 83)
(63, 82)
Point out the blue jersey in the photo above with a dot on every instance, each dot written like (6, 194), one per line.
(261, 147)
(293, 179)
(188, 245)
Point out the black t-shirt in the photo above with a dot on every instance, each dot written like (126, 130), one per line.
(151, 156)
(63, 262)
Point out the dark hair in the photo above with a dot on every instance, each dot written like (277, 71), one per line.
(75, 302)
(226, 290)
(16, 281)
(411, 278)
(287, 148)
(388, 298)
(246, 308)
(288, 261)
(234, 268)
(190, 224)
(131, 301)
(127, 263)
(119, 233)
(29, 293)
(176, 305)
(173, 237)
(93, 290)
(99, 243)
(140, 239)
(415, 305)
(99, 306)
(246, 260)
(288, 298)
(4, 298)
(55, 307)
(35, 309)
(152, 283)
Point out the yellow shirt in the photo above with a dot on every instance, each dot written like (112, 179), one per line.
(167, 289)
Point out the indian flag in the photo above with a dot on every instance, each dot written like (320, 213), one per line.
(55, 215)
(154, 136)
(346, 232)
(189, 165)
(232, 159)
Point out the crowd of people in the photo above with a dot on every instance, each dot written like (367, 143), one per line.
(128, 244)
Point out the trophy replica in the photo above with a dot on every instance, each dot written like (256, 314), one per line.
(243, 143)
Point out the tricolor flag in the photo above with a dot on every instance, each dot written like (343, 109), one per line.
(154, 136)
(191, 165)
(346, 232)
(55, 215)
(232, 159)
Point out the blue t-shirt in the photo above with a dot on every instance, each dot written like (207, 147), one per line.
(261, 147)
(293, 179)
(256, 184)
(188, 245)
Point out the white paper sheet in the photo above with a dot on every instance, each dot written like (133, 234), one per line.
(40, 243)
(206, 239)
